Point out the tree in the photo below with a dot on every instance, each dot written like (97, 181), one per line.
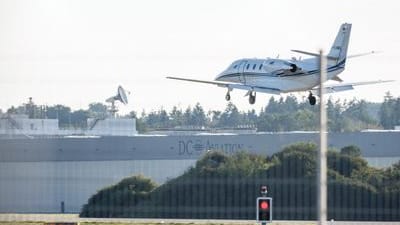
(215, 117)
(97, 110)
(60, 112)
(224, 186)
(158, 119)
(176, 116)
(272, 107)
(357, 110)
(164, 118)
(290, 104)
(250, 118)
(12, 110)
(396, 112)
(132, 114)
(351, 150)
(335, 119)
(387, 112)
(112, 201)
(346, 165)
(230, 117)
(79, 118)
(187, 116)
(199, 118)
(305, 119)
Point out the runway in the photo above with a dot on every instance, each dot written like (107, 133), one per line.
(39, 218)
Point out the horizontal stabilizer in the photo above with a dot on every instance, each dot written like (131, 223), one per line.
(313, 54)
(345, 87)
(329, 90)
(363, 54)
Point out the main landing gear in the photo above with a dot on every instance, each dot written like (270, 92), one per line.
(228, 96)
(312, 99)
(251, 94)
(252, 97)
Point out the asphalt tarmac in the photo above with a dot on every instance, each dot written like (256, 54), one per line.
(9, 217)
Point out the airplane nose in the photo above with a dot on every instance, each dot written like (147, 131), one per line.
(219, 76)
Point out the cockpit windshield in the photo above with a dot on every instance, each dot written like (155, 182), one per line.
(235, 65)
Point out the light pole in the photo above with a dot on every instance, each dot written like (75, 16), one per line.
(322, 159)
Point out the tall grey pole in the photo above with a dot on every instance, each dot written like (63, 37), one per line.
(322, 165)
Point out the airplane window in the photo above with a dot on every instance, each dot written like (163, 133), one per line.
(272, 62)
(235, 67)
(247, 67)
(254, 66)
(260, 66)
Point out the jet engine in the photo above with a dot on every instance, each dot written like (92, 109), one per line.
(291, 67)
(294, 67)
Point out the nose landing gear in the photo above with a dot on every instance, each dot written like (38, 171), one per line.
(252, 97)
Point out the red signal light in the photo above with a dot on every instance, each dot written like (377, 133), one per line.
(264, 209)
(264, 205)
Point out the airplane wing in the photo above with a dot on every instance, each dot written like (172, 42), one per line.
(218, 83)
(232, 86)
(346, 86)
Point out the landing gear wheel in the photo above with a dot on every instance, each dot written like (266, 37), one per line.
(312, 99)
(252, 98)
(227, 96)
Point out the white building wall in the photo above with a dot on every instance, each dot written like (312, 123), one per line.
(40, 187)
(22, 125)
(113, 127)
(26, 126)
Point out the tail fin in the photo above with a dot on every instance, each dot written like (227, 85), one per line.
(338, 50)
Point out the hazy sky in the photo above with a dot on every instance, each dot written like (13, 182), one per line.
(78, 52)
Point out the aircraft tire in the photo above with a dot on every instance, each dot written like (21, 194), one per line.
(227, 96)
(312, 100)
(252, 99)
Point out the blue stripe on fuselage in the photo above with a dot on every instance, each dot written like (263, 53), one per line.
(311, 72)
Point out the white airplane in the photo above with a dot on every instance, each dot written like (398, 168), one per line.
(276, 76)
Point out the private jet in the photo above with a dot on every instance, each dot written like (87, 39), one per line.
(277, 76)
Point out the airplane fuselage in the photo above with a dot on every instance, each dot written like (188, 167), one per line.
(276, 76)
(283, 75)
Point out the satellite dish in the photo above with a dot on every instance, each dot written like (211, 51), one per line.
(121, 96)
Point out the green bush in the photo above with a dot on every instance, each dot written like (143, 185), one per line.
(117, 200)
(222, 186)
